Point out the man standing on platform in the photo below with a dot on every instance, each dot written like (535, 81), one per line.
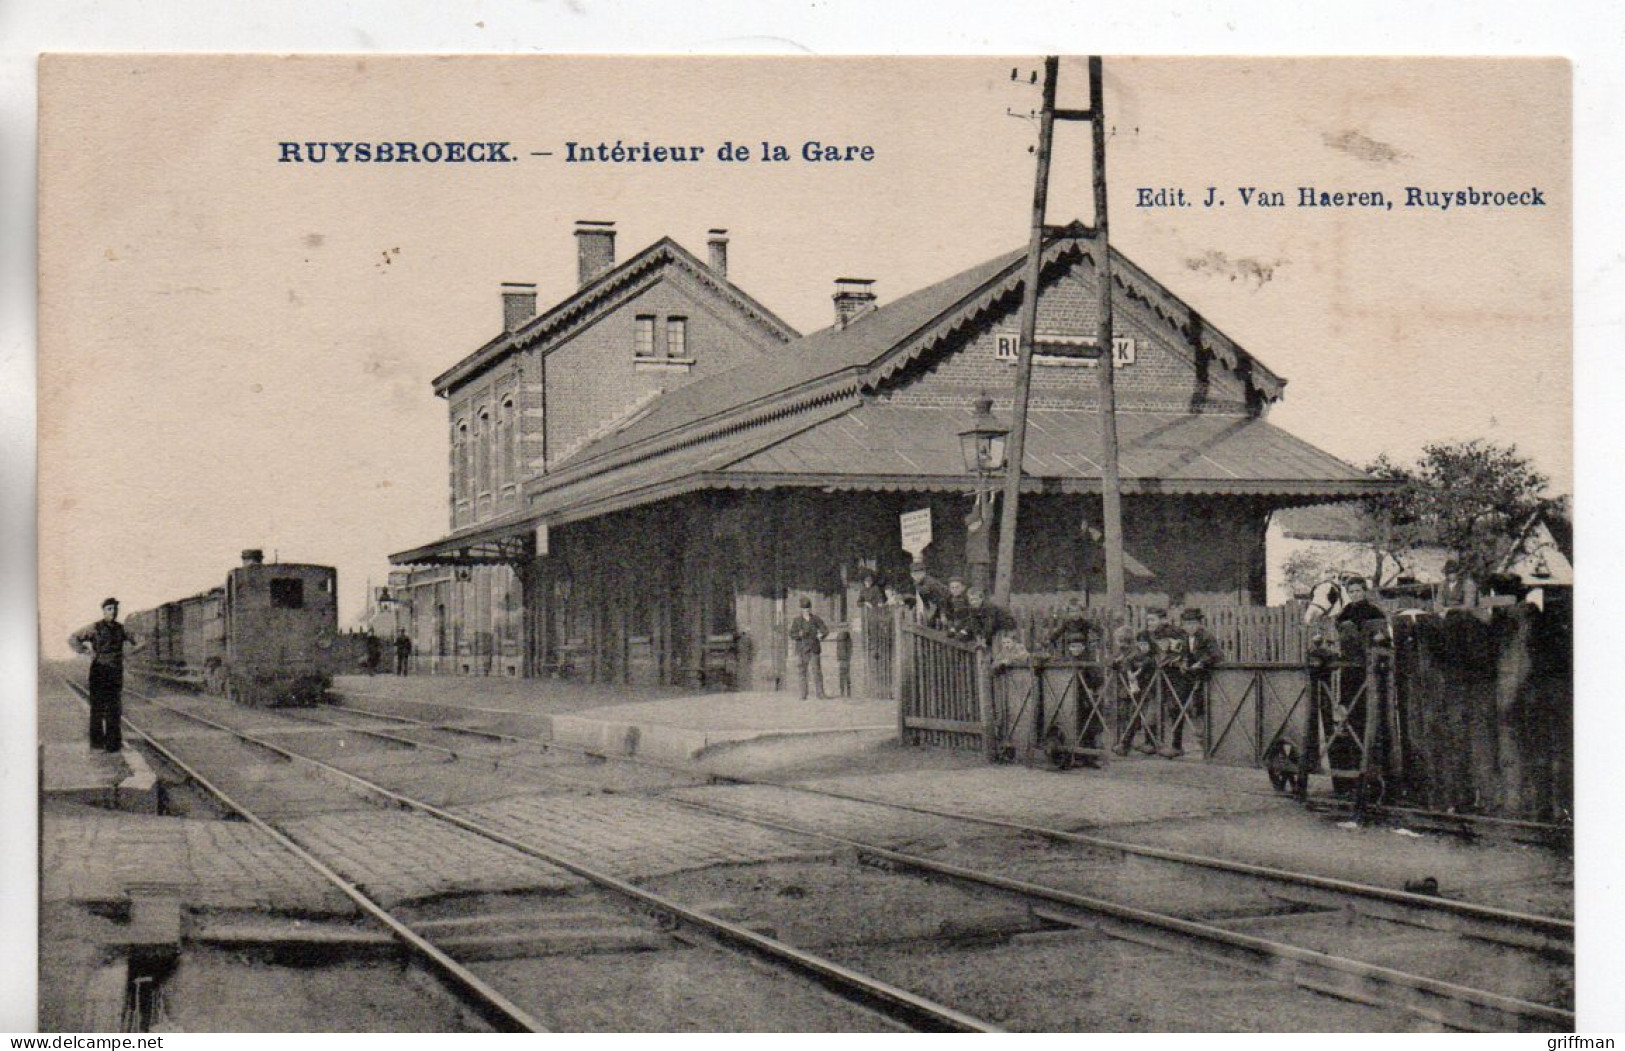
(403, 652)
(375, 652)
(807, 633)
(105, 641)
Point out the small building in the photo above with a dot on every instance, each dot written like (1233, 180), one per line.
(1306, 545)
(707, 513)
(1542, 560)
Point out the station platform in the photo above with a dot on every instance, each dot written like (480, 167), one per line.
(70, 770)
(694, 727)
(665, 723)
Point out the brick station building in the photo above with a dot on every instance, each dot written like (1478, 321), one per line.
(659, 461)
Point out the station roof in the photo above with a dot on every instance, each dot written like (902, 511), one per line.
(877, 344)
(816, 413)
(861, 444)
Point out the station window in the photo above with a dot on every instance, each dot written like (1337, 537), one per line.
(287, 593)
(482, 451)
(677, 337)
(644, 336)
(507, 446)
(464, 481)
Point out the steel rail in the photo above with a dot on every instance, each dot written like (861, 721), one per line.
(1549, 934)
(1522, 831)
(502, 1013)
(1446, 1002)
(897, 1003)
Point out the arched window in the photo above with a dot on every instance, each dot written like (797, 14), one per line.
(509, 446)
(462, 483)
(482, 451)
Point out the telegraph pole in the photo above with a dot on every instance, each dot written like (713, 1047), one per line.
(1111, 486)
(1024, 352)
(1110, 481)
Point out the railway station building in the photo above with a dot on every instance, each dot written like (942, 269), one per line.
(658, 468)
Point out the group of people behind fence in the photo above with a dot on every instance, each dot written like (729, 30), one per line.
(1162, 673)
(1162, 669)
(955, 607)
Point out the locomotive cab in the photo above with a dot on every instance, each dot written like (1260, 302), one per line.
(281, 623)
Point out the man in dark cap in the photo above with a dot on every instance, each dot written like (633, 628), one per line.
(983, 620)
(1198, 653)
(1074, 636)
(807, 633)
(952, 617)
(928, 593)
(105, 641)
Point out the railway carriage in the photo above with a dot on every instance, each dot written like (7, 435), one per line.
(266, 637)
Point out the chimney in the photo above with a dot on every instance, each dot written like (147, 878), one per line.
(854, 297)
(595, 247)
(253, 557)
(718, 241)
(518, 304)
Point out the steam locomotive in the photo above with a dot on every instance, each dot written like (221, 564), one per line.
(265, 638)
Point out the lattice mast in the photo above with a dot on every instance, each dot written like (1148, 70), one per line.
(1111, 483)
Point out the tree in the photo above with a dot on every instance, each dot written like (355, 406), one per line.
(1397, 520)
(1473, 498)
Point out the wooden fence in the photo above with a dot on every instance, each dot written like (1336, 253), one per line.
(1247, 634)
(942, 686)
(1472, 710)
(878, 639)
(1486, 712)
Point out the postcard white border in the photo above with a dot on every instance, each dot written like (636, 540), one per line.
(1587, 33)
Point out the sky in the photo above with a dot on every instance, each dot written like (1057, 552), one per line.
(237, 352)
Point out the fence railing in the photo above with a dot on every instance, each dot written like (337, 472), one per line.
(942, 688)
(1247, 634)
(879, 641)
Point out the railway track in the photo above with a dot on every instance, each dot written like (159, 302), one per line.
(1554, 935)
(896, 1005)
(1445, 1002)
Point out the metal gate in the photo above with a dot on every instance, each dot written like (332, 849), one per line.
(1058, 710)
